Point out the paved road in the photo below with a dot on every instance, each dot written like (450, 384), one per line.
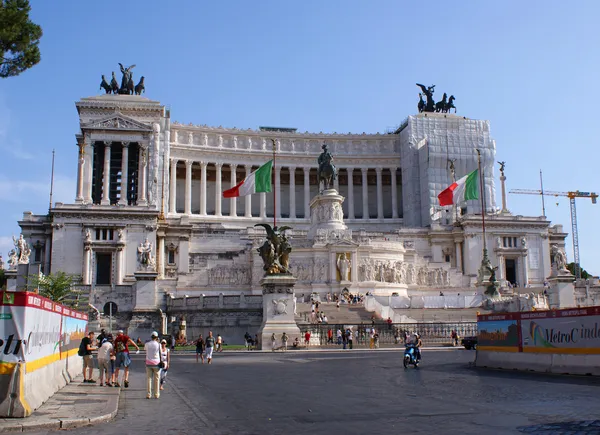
(353, 393)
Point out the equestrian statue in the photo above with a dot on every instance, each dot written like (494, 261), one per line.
(128, 87)
(443, 106)
(326, 172)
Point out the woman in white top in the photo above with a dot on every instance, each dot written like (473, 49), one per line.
(165, 356)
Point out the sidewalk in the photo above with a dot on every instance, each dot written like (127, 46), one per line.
(77, 404)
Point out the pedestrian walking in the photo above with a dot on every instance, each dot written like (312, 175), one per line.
(165, 357)
(372, 338)
(307, 339)
(200, 348)
(219, 347)
(210, 345)
(248, 340)
(330, 336)
(123, 359)
(339, 336)
(284, 340)
(153, 363)
(349, 334)
(273, 342)
(86, 347)
(104, 354)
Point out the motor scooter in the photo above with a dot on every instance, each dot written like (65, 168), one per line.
(410, 356)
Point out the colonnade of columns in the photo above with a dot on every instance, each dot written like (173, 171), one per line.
(291, 206)
(84, 189)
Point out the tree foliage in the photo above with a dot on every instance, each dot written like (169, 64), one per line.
(584, 273)
(57, 287)
(19, 38)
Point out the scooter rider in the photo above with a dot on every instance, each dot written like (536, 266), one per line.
(417, 343)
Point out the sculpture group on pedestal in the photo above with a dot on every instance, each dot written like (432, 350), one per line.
(127, 86)
(275, 251)
(560, 261)
(20, 254)
(444, 106)
(145, 259)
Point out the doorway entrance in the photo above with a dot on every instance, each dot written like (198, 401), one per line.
(510, 271)
(103, 268)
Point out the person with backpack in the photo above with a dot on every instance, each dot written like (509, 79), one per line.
(104, 354)
(122, 343)
(85, 351)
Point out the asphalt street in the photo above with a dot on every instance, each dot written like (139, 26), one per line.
(360, 392)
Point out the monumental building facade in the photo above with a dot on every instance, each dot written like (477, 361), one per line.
(150, 189)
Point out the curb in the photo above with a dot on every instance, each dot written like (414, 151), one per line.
(302, 351)
(11, 425)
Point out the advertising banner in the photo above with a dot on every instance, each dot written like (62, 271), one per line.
(570, 331)
(37, 331)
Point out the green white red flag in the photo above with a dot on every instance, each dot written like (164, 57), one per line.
(258, 181)
(462, 190)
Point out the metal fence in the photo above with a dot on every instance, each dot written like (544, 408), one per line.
(433, 333)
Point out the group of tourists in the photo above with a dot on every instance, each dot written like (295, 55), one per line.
(206, 346)
(113, 355)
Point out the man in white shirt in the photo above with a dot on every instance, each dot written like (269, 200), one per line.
(104, 353)
(152, 366)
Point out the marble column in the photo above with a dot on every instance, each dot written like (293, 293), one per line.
(248, 198)
(306, 192)
(379, 193)
(203, 188)
(263, 205)
(525, 271)
(88, 170)
(119, 267)
(354, 264)
(350, 172)
(188, 187)
(218, 192)
(233, 201)
(143, 182)
(79, 194)
(365, 193)
(292, 170)
(173, 187)
(459, 257)
(124, 174)
(394, 193)
(278, 191)
(87, 254)
(160, 251)
(106, 173)
(336, 182)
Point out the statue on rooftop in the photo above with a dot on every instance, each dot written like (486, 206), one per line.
(127, 77)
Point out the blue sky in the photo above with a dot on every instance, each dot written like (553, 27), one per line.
(530, 68)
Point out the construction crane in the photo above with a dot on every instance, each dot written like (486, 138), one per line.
(571, 195)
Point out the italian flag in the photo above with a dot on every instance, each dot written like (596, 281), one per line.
(258, 181)
(464, 189)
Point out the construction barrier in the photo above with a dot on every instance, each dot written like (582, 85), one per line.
(554, 341)
(39, 340)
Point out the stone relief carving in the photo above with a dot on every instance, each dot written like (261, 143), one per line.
(409, 244)
(320, 271)
(332, 235)
(398, 272)
(280, 306)
(303, 270)
(229, 275)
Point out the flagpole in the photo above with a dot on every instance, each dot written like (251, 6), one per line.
(51, 183)
(482, 194)
(275, 187)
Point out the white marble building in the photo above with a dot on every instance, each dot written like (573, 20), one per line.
(140, 176)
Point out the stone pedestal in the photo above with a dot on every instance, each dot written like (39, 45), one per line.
(278, 311)
(326, 212)
(11, 280)
(146, 316)
(145, 290)
(561, 292)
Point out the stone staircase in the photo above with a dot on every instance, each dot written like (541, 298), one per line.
(345, 314)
